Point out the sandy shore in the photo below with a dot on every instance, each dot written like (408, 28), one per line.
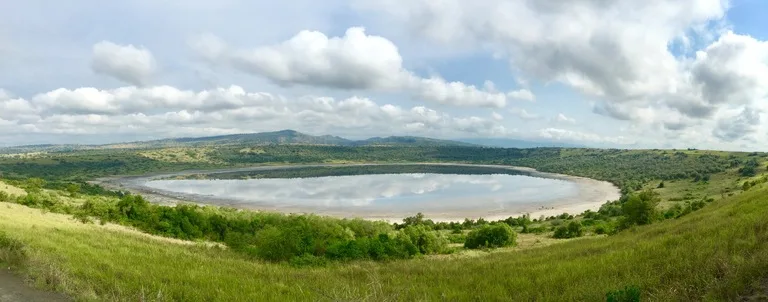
(591, 195)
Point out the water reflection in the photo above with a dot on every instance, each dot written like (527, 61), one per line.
(381, 192)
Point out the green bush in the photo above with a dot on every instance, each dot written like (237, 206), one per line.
(426, 240)
(491, 236)
(456, 238)
(640, 209)
(601, 229)
(573, 230)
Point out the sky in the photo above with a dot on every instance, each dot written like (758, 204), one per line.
(606, 73)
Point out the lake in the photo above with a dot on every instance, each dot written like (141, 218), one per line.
(391, 192)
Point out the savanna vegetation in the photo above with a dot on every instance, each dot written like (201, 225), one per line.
(689, 226)
(717, 253)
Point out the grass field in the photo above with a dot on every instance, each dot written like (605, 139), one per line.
(717, 253)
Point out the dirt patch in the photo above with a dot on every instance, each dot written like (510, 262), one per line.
(759, 294)
(14, 289)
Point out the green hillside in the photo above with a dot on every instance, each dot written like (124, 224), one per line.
(718, 253)
(692, 225)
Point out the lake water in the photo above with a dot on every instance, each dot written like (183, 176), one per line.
(380, 195)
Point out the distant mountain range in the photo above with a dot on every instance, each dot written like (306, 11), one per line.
(283, 137)
(290, 137)
(521, 144)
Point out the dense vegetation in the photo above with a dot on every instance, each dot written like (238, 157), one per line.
(301, 239)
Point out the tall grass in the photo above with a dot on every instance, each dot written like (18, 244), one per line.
(11, 251)
(716, 253)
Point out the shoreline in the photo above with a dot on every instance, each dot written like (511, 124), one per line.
(592, 194)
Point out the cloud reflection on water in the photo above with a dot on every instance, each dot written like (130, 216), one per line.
(381, 192)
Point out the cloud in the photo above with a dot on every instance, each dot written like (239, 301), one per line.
(524, 114)
(355, 61)
(208, 46)
(732, 128)
(126, 63)
(682, 68)
(496, 116)
(564, 119)
(455, 93)
(732, 70)
(522, 94)
(168, 111)
(612, 110)
(577, 136)
(609, 49)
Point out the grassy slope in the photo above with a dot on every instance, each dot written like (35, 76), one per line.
(713, 254)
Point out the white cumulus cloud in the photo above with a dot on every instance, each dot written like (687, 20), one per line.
(356, 61)
(127, 63)
(165, 111)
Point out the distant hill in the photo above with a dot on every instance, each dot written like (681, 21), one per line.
(283, 137)
(410, 141)
(44, 148)
(515, 143)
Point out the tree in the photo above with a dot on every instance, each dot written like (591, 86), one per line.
(34, 185)
(491, 236)
(750, 168)
(73, 189)
(426, 240)
(573, 230)
(640, 208)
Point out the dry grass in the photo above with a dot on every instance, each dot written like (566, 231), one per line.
(180, 155)
(12, 190)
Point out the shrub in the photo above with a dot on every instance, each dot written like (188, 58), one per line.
(491, 236)
(457, 238)
(573, 230)
(561, 232)
(611, 209)
(640, 208)
(601, 229)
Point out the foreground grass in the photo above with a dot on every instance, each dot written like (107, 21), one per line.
(717, 253)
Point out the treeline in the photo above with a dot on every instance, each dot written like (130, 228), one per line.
(85, 165)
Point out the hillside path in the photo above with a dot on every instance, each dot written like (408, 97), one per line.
(13, 289)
